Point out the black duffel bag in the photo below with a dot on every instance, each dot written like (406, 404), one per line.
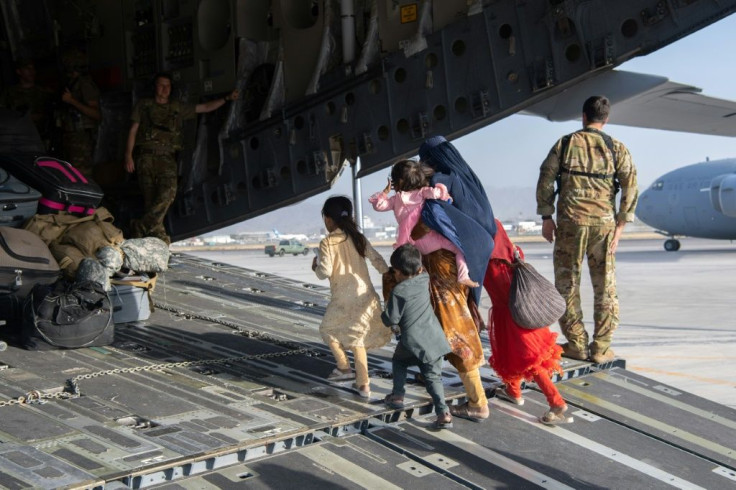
(67, 315)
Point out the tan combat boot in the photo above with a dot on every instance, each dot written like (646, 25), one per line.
(601, 357)
(570, 350)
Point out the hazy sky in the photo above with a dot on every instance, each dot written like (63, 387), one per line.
(508, 153)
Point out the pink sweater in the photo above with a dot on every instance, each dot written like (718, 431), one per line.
(407, 207)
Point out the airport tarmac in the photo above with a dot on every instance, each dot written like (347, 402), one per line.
(677, 308)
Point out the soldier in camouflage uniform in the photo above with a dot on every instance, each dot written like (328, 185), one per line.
(27, 97)
(80, 113)
(588, 167)
(155, 134)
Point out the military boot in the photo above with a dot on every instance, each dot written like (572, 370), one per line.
(571, 350)
(601, 355)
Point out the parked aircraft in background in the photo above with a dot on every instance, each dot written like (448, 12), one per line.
(698, 200)
(299, 236)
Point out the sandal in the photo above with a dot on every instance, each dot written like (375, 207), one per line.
(393, 401)
(556, 416)
(443, 421)
(363, 391)
(502, 394)
(464, 411)
(340, 375)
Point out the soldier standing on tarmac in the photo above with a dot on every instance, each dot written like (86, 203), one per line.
(589, 167)
(156, 134)
(80, 112)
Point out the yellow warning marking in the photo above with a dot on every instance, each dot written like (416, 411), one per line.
(656, 424)
(635, 464)
(495, 458)
(347, 469)
(409, 13)
(701, 379)
(649, 393)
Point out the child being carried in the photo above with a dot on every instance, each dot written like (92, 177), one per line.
(410, 181)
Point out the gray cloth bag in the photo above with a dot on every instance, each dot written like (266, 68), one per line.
(533, 300)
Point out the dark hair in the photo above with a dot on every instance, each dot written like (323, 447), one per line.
(340, 210)
(596, 109)
(408, 175)
(162, 74)
(407, 259)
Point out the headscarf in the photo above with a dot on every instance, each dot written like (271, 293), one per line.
(468, 221)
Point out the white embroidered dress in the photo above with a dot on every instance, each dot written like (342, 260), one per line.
(353, 316)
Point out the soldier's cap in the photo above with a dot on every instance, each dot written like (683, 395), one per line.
(428, 144)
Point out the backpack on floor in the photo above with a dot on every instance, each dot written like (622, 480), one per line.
(67, 315)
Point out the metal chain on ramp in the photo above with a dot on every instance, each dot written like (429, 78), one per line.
(251, 334)
(71, 387)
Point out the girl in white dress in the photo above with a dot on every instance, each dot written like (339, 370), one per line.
(352, 320)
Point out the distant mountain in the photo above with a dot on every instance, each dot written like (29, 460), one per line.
(509, 204)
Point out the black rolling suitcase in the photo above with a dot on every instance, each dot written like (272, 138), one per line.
(63, 187)
(18, 202)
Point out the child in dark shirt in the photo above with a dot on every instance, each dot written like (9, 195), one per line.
(422, 340)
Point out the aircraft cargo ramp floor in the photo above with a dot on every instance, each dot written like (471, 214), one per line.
(224, 387)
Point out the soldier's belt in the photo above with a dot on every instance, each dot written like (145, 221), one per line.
(148, 151)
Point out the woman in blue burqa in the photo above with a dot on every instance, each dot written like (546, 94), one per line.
(467, 222)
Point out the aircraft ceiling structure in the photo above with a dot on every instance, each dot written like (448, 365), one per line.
(327, 82)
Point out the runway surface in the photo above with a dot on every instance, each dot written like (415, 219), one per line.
(677, 308)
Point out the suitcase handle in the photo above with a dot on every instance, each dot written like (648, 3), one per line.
(63, 167)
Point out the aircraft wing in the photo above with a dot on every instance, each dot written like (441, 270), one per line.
(645, 101)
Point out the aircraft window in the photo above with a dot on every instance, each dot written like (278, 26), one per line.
(657, 186)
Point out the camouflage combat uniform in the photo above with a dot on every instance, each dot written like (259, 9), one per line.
(34, 100)
(80, 131)
(586, 219)
(157, 141)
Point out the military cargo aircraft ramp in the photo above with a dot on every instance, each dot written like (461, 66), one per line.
(224, 386)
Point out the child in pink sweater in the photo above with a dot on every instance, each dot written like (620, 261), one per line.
(409, 179)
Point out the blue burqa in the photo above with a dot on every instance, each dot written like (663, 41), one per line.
(468, 220)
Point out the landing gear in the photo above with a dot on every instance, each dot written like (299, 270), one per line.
(672, 245)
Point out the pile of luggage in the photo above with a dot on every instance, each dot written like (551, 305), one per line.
(67, 274)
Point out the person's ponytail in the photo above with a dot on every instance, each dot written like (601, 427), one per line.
(350, 228)
(340, 210)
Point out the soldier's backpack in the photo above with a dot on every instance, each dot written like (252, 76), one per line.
(609, 144)
(67, 315)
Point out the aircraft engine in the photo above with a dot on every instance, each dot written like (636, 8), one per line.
(723, 194)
